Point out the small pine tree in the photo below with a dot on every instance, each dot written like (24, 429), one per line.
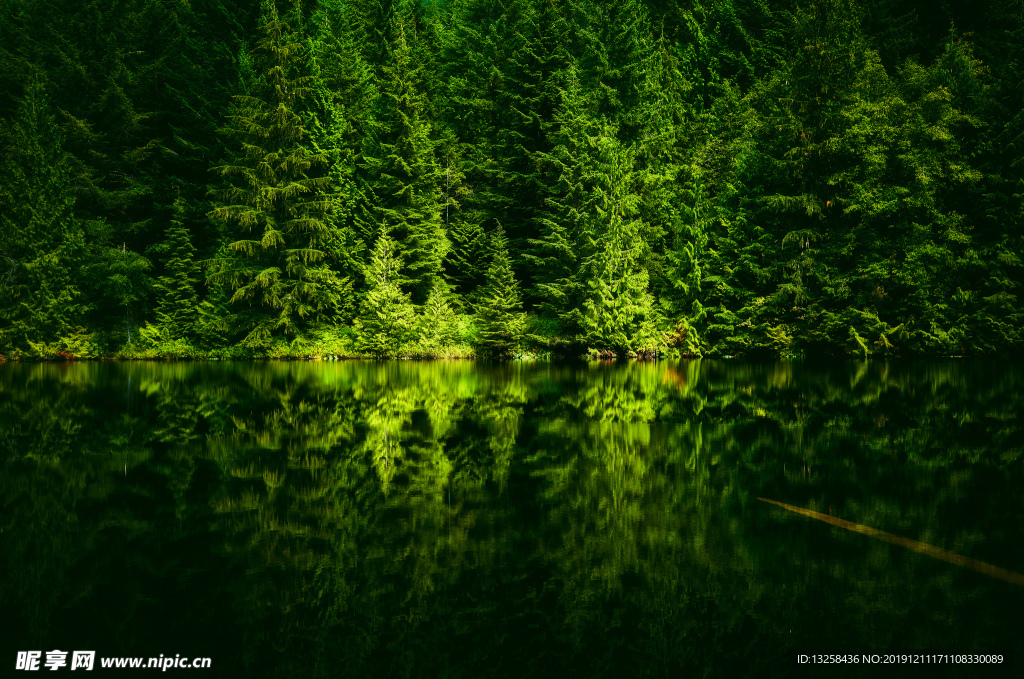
(177, 312)
(439, 324)
(387, 324)
(499, 309)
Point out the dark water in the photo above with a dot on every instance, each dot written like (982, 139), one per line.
(459, 520)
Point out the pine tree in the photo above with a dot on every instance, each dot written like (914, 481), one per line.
(387, 324)
(439, 324)
(501, 60)
(468, 256)
(101, 62)
(686, 261)
(591, 258)
(567, 225)
(177, 309)
(40, 239)
(197, 67)
(617, 312)
(400, 170)
(273, 210)
(499, 309)
(344, 92)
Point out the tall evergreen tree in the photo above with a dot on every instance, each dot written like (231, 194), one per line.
(102, 59)
(592, 253)
(199, 64)
(567, 238)
(400, 169)
(618, 310)
(501, 59)
(344, 93)
(273, 209)
(41, 241)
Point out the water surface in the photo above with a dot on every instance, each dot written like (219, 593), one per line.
(464, 520)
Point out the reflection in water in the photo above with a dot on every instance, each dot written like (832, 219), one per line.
(457, 519)
(920, 547)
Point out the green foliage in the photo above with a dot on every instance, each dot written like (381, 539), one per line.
(401, 173)
(273, 209)
(827, 177)
(438, 322)
(178, 307)
(499, 306)
(41, 241)
(387, 324)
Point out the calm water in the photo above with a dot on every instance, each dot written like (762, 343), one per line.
(459, 520)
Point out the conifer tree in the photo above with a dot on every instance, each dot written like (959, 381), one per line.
(40, 239)
(439, 324)
(197, 66)
(101, 62)
(566, 225)
(499, 309)
(686, 260)
(273, 209)
(617, 312)
(344, 92)
(591, 258)
(502, 59)
(400, 169)
(387, 323)
(468, 256)
(177, 309)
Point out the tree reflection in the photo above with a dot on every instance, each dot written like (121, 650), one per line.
(457, 519)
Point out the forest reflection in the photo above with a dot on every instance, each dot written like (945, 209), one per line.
(455, 519)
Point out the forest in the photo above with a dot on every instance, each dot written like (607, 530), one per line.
(457, 178)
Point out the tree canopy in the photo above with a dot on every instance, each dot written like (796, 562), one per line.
(707, 177)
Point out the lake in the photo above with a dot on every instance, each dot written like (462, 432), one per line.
(458, 519)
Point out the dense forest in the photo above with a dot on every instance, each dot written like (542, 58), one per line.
(518, 177)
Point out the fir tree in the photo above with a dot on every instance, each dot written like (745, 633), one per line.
(468, 256)
(40, 239)
(402, 177)
(501, 59)
(439, 324)
(617, 313)
(686, 260)
(177, 309)
(274, 209)
(591, 259)
(499, 309)
(387, 324)
(567, 225)
(344, 92)
(102, 61)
